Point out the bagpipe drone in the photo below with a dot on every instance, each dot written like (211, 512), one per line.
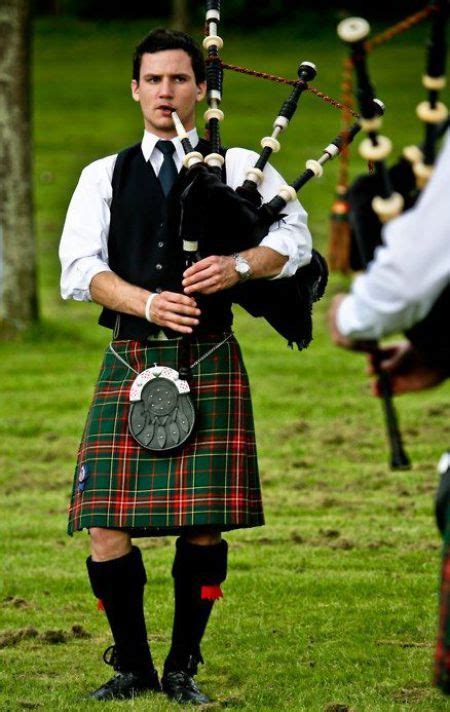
(371, 199)
(374, 199)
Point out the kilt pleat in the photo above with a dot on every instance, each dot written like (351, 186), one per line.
(212, 480)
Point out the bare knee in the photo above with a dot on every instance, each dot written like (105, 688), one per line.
(108, 544)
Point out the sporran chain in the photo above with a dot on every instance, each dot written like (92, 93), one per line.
(195, 363)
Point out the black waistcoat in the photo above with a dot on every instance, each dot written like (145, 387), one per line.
(144, 246)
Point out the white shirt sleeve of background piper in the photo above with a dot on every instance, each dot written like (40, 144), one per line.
(289, 236)
(409, 271)
(83, 250)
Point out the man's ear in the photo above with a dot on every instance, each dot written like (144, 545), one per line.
(135, 90)
(201, 91)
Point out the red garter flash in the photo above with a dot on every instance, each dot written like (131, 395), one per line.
(211, 593)
(100, 606)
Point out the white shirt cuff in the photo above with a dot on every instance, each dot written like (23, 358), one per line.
(355, 320)
(280, 240)
(75, 281)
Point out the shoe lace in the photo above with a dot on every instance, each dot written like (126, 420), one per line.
(180, 677)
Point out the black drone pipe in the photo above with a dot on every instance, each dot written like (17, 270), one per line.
(314, 168)
(376, 148)
(213, 43)
(270, 144)
(432, 112)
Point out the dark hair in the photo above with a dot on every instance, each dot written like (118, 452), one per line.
(161, 39)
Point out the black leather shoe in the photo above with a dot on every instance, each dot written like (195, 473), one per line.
(125, 685)
(180, 687)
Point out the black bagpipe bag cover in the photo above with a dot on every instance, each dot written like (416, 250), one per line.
(224, 222)
(363, 220)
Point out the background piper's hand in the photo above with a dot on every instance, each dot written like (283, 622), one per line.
(345, 342)
(210, 275)
(442, 499)
(175, 311)
(407, 369)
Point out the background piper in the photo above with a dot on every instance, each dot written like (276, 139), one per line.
(407, 287)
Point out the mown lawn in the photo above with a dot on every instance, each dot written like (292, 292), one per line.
(334, 601)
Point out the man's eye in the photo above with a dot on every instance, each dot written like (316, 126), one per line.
(153, 80)
(180, 80)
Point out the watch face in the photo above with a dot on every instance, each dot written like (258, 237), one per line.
(243, 268)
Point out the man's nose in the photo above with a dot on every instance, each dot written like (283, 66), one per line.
(166, 88)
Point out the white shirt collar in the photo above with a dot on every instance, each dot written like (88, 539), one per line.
(149, 142)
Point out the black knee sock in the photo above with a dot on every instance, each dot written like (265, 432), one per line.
(119, 584)
(197, 572)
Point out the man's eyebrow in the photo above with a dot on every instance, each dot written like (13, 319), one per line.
(148, 75)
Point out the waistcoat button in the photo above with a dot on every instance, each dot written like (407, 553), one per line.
(158, 267)
(160, 244)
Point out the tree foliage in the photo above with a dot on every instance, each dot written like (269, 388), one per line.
(244, 13)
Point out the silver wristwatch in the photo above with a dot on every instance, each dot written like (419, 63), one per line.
(242, 267)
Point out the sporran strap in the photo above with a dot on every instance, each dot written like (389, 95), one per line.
(161, 416)
(190, 367)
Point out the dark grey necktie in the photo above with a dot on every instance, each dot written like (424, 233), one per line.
(168, 171)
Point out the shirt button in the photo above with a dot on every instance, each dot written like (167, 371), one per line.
(160, 244)
(158, 267)
(161, 225)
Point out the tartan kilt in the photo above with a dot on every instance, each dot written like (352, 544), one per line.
(442, 658)
(211, 481)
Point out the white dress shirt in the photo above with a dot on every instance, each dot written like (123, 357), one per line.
(409, 271)
(84, 243)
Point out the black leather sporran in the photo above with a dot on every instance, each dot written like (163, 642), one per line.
(162, 415)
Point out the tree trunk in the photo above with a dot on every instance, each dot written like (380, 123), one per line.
(180, 19)
(18, 298)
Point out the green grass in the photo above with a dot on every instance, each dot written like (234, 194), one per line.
(334, 601)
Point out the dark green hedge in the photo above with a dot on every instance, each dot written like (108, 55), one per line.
(236, 12)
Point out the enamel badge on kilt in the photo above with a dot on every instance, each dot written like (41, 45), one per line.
(162, 414)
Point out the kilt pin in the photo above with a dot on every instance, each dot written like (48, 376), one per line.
(211, 481)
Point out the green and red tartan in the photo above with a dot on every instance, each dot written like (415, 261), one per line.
(442, 660)
(211, 481)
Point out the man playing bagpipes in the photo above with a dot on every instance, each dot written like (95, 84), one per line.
(407, 288)
(168, 447)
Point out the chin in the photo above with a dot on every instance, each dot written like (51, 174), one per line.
(165, 126)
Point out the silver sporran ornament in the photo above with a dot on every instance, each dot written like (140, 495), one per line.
(162, 414)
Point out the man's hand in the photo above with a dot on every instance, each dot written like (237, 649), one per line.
(169, 309)
(345, 342)
(175, 311)
(337, 338)
(408, 372)
(210, 275)
(442, 500)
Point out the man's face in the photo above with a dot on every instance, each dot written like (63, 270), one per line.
(166, 82)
